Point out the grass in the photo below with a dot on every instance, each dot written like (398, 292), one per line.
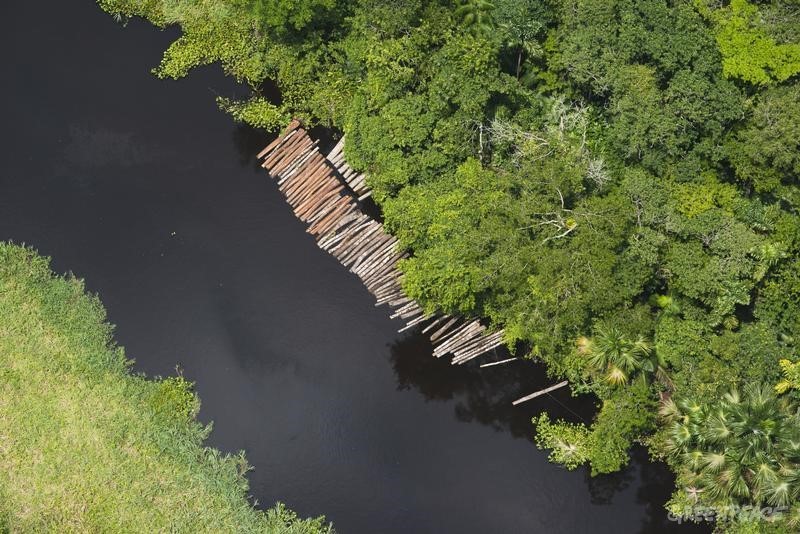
(86, 445)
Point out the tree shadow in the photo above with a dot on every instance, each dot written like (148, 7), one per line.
(249, 142)
(602, 488)
(657, 483)
(483, 395)
(325, 136)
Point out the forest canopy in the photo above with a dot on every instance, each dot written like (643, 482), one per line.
(614, 183)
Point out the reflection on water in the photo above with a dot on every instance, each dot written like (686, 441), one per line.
(602, 488)
(483, 395)
(248, 142)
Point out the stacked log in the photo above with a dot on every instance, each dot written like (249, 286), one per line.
(326, 199)
(356, 181)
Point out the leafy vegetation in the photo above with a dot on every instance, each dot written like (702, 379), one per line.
(743, 449)
(86, 446)
(615, 183)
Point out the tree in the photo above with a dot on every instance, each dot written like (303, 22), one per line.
(522, 22)
(791, 377)
(296, 15)
(623, 418)
(612, 354)
(476, 16)
(748, 50)
(765, 151)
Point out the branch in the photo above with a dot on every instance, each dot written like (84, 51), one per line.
(562, 234)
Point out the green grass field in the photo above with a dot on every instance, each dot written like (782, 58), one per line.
(85, 445)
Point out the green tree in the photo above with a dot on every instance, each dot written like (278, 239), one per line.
(616, 357)
(624, 417)
(791, 376)
(748, 50)
(742, 449)
(522, 23)
(476, 16)
(765, 151)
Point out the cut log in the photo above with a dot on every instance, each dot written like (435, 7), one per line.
(501, 362)
(540, 392)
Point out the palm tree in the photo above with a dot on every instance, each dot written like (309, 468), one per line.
(743, 449)
(616, 356)
(476, 16)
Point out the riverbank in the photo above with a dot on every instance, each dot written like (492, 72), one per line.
(85, 445)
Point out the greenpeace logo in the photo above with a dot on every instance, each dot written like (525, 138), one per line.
(729, 513)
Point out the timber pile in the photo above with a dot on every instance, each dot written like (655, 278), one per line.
(319, 197)
(356, 181)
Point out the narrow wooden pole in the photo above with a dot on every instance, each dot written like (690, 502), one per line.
(540, 392)
(499, 363)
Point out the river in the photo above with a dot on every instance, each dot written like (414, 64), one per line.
(147, 191)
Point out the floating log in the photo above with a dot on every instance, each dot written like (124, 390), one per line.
(434, 323)
(540, 392)
(415, 322)
(501, 362)
(440, 332)
(356, 181)
(457, 339)
(479, 346)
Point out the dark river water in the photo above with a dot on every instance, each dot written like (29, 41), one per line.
(147, 191)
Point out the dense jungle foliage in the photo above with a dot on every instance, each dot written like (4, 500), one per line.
(87, 446)
(613, 182)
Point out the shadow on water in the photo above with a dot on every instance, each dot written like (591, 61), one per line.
(655, 489)
(483, 395)
(602, 488)
(249, 142)
(653, 482)
(327, 137)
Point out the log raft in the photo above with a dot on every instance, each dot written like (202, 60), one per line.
(324, 192)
